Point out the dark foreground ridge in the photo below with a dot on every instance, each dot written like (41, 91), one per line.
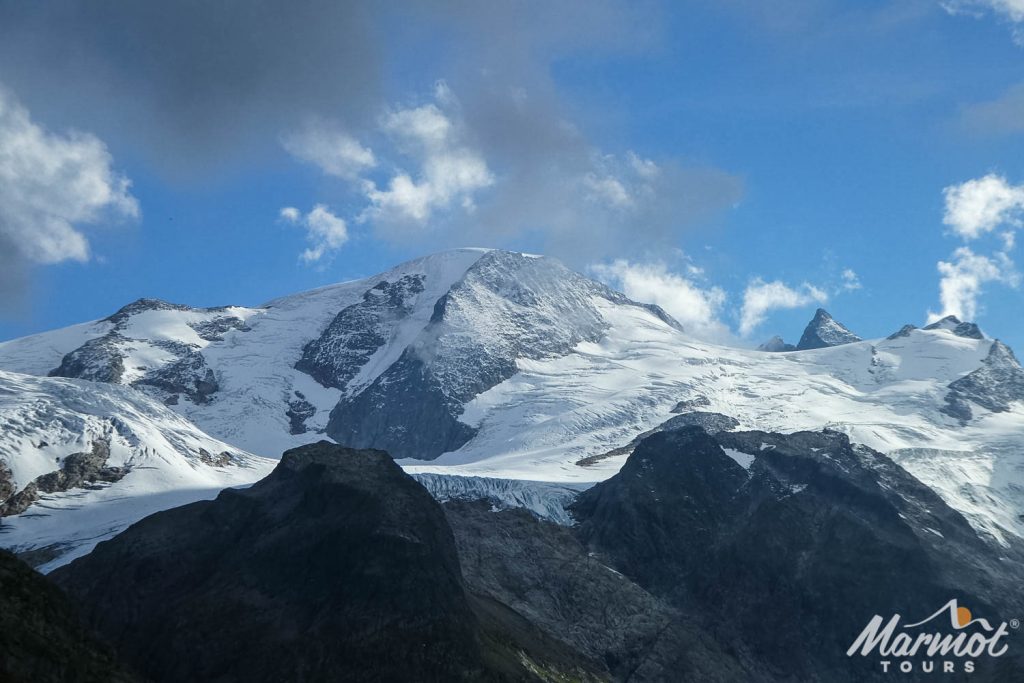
(734, 556)
(783, 547)
(337, 566)
(42, 639)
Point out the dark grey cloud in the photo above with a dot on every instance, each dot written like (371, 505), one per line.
(191, 83)
(195, 84)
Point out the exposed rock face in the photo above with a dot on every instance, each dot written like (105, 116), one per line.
(186, 373)
(712, 423)
(77, 470)
(995, 385)
(776, 345)
(97, 360)
(359, 331)
(299, 410)
(7, 485)
(524, 563)
(41, 637)
(691, 404)
(507, 306)
(824, 331)
(902, 332)
(124, 314)
(337, 566)
(788, 545)
(954, 325)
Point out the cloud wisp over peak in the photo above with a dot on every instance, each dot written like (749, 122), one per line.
(449, 171)
(760, 298)
(696, 305)
(986, 210)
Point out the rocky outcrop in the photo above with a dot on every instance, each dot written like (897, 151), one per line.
(188, 374)
(994, 386)
(299, 410)
(185, 373)
(902, 332)
(97, 360)
(824, 331)
(734, 556)
(712, 423)
(77, 470)
(359, 331)
(42, 639)
(691, 404)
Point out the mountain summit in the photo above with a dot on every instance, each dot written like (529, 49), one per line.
(823, 331)
(775, 345)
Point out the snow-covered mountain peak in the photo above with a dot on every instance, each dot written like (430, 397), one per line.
(506, 309)
(824, 330)
(775, 345)
(961, 329)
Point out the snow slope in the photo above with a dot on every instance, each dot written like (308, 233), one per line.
(168, 460)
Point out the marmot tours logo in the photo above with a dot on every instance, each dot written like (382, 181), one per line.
(948, 641)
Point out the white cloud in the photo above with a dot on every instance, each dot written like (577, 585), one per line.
(333, 150)
(504, 162)
(325, 232)
(1011, 11)
(697, 308)
(987, 206)
(979, 206)
(1008, 9)
(622, 183)
(851, 281)
(50, 185)
(449, 171)
(762, 297)
(607, 189)
(290, 214)
(963, 278)
(435, 168)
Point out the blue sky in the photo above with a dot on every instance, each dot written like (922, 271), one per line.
(739, 164)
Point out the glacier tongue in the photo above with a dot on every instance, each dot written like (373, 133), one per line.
(546, 500)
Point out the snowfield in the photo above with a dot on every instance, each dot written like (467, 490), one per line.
(535, 427)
